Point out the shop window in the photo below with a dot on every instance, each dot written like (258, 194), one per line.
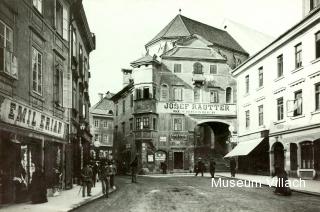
(177, 94)
(280, 108)
(214, 96)
(280, 66)
(213, 69)
(164, 92)
(36, 71)
(177, 68)
(260, 76)
(298, 55)
(260, 111)
(177, 124)
(38, 5)
(318, 45)
(297, 103)
(145, 122)
(197, 68)
(306, 155)
(228, 95)
(317, 96)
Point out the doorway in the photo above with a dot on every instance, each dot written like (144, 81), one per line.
(178, 160)
(278, 155)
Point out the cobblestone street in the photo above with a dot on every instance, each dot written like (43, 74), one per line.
(196, 194)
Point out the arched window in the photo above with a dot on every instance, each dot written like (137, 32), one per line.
(197, 68)
(228, 95)
(164, 92)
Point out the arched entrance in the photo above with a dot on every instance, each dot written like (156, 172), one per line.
(278, 151)
(212, 142)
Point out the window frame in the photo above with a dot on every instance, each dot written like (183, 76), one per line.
(230, 94)
(280, 66)
(260, 76)
(215, 70)
(247, 119)
(280, 108)
(35, 50)
(35, 4)
(145, 122)
(164, 90)
(260, 115)
(247, 84)
(296, 111)
(177, 68)
(138, 123)
(176, 125)
(195, 90)
(298, 55)
(176, 95)
(215, 97)
(197, 68)
(96, 123)
(317, 96)
(317, 44)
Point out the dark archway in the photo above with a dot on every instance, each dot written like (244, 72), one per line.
(278, 151)
(316, 146)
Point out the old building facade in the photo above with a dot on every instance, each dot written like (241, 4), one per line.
(101, 127)
(179, 104)
(34, 102)
(278, 101)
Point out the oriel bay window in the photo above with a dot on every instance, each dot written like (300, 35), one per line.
(36, 71)
(138, 123)
(145, 122)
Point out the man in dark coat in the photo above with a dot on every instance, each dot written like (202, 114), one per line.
(103, 176)
(233, 166)
(163, 166)
(38, 187)
(200, 167)
(86, 174)
(134, 169)
(282, 188)
(212, 167)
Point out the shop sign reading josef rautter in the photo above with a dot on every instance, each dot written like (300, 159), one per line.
(196, 108)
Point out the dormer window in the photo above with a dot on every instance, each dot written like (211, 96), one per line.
(197, 68)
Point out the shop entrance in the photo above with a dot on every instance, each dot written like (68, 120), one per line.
(278, 155)
(178, 160)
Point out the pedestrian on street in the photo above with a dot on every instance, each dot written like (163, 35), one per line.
(112, 176)
(282, 183)
(233, 166)
(103, 176)
(212, 167)
(134, 169)
(38, 189)
(200, 167)
(94, 173)
(163, 166)
(86, 174)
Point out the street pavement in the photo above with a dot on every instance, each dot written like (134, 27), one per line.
(189, 193)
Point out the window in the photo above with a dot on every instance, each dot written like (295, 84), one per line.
(196, 93)
(37, 4)
(213, 69)
(177, 124)
(105, 139)
(306, 155)
(57, 85)
(74, 43)
(314, 4)
(117, 108)
(297, 103)
(177, 94)
(280, 66)
(123, 125)
(8, 62)
(123, 106)
(280, 108)
(164, 93)
(154, 90)
(61, 20)
(138, 93)
(214, 96)
(317, 96)
(154, 122)
(145, 122)
(36, 71)
(146, 94)
(260, 76)
(247, 84)
(318, 45)
(138, 123)
(131, 125)
(298, 55)
(96, 123)
(228, 95)
(260, 111)
(105, 124)
(247, 119)
(197, 68)
(96, 137)
(177, 68)
(131, 100)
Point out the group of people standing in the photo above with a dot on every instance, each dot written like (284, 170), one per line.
(106, 172)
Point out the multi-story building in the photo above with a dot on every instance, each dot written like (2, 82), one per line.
(34, 95)
(101, 127)
(279, 101)
(178, 104)
(82, 42)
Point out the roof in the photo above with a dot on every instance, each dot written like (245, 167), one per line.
(147, 59)
(182, 26)
(104, 106)
(118, 95)
(250, 39)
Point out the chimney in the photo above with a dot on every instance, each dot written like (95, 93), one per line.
(126, 73)
(100, 95)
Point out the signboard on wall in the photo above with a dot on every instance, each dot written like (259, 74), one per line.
(196, 108)
(160, 156)
(19, 114)
(150, 158)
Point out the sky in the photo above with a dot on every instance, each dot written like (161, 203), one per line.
(123, 27)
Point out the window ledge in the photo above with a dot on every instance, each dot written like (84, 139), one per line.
(298, 117)
(315, 112)
(279, 122)
(297, 69)
(260, 88)
(37, 95)
(278, 79)
(315, 60)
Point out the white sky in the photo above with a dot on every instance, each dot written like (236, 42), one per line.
(123, 27)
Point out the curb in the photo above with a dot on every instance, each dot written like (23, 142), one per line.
(266, 185)
(100, 195)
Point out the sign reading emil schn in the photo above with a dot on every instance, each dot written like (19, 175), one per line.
(196, 108)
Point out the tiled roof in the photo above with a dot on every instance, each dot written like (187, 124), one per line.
(182, 26)
(145, 60)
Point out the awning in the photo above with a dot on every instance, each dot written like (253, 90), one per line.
(244, 148)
